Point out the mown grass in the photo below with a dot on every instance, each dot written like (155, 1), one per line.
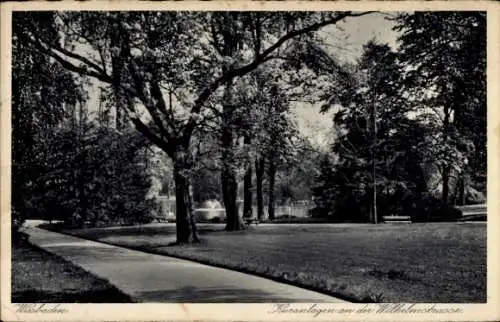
(41, 277)
(432, 262)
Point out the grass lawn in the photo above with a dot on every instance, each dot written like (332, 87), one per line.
(431, 262)
(41, 277)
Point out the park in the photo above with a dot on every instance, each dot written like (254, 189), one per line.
(253, 156)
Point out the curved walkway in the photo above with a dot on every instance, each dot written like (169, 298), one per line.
(156, 278)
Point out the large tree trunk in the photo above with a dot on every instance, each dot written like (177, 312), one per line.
(229, 184)
(181, 215)
(185, 224)
(259, 178)
(190, 210)
(229, 189)
(228, 172)
(247, 186)
(272, 178)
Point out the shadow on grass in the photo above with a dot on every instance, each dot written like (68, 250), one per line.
(391, 274)
(440, 261)
(218, 295)
(281, 277)
(267, 273)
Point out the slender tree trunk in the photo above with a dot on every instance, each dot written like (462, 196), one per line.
(118, 119)
(463, 189)
(272, 178)
(229, 192)
(82, 198)
(446, 187)
(100, 112)
(229, 188)
(247, 186)
(82, 166)
(181, 222)
(374, 210)
(190, 210)
(421, 187)
(259, 178)
(446, 168)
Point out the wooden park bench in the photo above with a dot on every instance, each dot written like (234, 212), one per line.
(397, 219)
(473, 212)
(249, 221)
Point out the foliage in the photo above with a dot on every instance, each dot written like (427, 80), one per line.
(96, 176)
(445, 56)
(117, 177)
(40, 90)
(325, 192)
(169, 66)
(347, 185)
(65, 166)
(296, 179)
(427, 100)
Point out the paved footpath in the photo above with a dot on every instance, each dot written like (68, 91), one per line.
(157, 278)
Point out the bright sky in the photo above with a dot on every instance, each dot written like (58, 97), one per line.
(350, 35)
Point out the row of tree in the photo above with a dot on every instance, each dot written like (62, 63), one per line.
(412, 130)
(213, 90)
(66, 164)
(175, 73)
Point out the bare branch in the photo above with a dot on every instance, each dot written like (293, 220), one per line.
(155, 139)
(68, 65)
(148, 104)
(80, 58)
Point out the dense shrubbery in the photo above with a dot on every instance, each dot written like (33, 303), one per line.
(96, 178)
(67, 165)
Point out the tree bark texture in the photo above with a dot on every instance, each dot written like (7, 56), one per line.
(185, 222)
(190, 210)
(446, 169)
(228, 172)
(229, 182)
(247, 186)
(259, 179)
(272, 179)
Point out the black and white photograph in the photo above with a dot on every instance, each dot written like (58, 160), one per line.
(248, 156)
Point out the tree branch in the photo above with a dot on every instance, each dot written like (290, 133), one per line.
(259, 59)
(74, 55)
(70, 66)
(148, 104)
(155, 139)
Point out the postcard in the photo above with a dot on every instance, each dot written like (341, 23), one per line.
(250, 161)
